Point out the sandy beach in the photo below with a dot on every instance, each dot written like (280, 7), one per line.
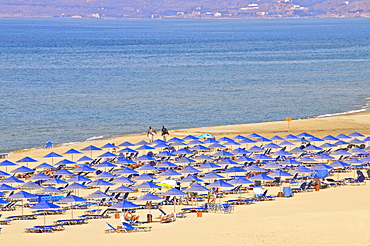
(333, 216)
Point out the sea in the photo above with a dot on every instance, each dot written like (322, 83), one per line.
(73, 80)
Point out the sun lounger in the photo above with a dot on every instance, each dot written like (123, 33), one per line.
(136, 228)
(166, 218)
(22, 217)
(113, 229)
(72, 222)
(5, 222)
(94, 216)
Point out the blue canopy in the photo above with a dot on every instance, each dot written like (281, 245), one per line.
(147, 185)
(169, 173)
(127, 144)
(44, 166)
(72, 151)
(149, 197)
(127, 150)
(7, 163)
(105, 164)
(97, 195)
(213, 175)
(52, 154)
(22, 195)
(76, 186)
(240, 181)
(105, 175)
(5, 187)
(63, 172)
(144, 177)
(189, 137)
(195, 187)
(124, 205)
(85, 158)
(11, 180)
(109, 146)
(72, 198)
(84, 168)
(223, 153)
(99, 182)
(261, 177)
(174, 192)
(123, 189)
(107, 154)
(190, 169)
(145, 147)
(91, 148)
(145, 158)
(122, 180)
(126, 170)
(27, 159)
(190, 178)
(220, 184)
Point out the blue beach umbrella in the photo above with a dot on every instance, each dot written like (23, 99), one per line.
(142, 143)
(109, 146)
(22, 195)
(276, 138)
(261, 177)
(126, 144)
(240, 181)
(227, 162)
(195, 142)
(76, 186)
(189, 170)
(5, 187)
(289, 162)
(355, 135)
(189, 137)
(144, 177)
(272, 146)
(244, 159)
(262, 157)
(166, 154)
(147, 185)
(127, 150)
(85, 158)
(195, 187)
(52, 155)
(123, 189)
(99, 183)
(6, 164)
(256, 149)
(166, 164)
(238, 138)
(240, 151)
(307, 159)
(104, 175)
(183, 151)
(124, 161)
(169, 173)
(107, 155)
(203, 157)
(11, 180)
(146, 167)
(209, 165)
(50, 189)
(145, 147)
(343, 136)
(190, 178)
(125, 170)
(145, 158)
(29, 185)
(124, 205)
(3, 202)
(63, 172)
(122, 180)
(91, 148)
(44, 166)
(210, 141)
(72, 152)
(65, 162)
(45, 206)
(254, 135)
(200, 148)
(330, 138)
(97, 195)
(54, 181)
(305, 135)
(105, 164)
(26, 160)
(185, 160)
(213, 175)
(175, 139)
(255, 168)
(223, 153)
(84, 168)
(3, 174)
(216, 145)
(72, 199)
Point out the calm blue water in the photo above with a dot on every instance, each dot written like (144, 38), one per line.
(67, 80)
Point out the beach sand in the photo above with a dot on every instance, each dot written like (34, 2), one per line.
(334, 216)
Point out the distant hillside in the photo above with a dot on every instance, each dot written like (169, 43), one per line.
(184, 8)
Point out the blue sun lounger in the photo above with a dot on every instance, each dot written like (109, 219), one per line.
(113, 229)
(136, 228)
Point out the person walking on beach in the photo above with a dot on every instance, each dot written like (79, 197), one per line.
(164, 133)
(150, 134)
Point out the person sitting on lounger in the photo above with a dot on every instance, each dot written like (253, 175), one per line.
(168, 217)
(131, 217)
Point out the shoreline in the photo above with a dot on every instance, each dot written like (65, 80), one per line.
(344, 123)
